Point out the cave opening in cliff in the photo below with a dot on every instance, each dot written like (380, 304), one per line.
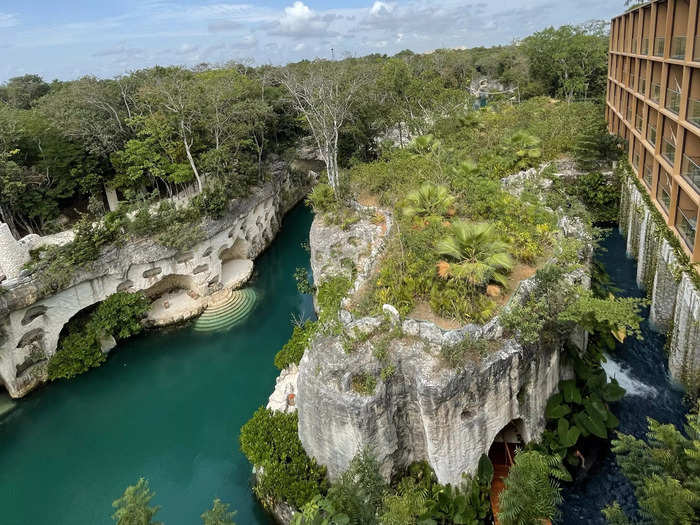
(234, 262)
(506, 443)
(173, 294)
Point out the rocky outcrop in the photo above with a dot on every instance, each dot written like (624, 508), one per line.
(675, 300)
(29, 319)
(415, 407)
(422, 410)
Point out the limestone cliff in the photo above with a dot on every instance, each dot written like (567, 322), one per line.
(419, 408)
(30, 323)
(675, 300)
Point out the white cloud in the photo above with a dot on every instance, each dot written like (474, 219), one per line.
(297, 18)
(379, 8)
(8, 20)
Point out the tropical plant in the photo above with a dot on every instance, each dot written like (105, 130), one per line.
(133, 508)
(467, 504)
(218, 514)
(665, 472)
(322, 198)
(530, 494)
(580, 409)
(479, 255)
(527, 149)
(428, 200)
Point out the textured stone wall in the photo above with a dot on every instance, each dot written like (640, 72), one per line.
(423, 410)
(13, 255)
(31, 322)
(675, 301)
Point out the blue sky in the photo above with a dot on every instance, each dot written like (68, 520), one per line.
(66, 39)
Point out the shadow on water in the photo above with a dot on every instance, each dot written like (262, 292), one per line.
(167, 406)
(641, 367)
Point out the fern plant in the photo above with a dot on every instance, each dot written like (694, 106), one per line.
(665, 473)
(531, 493)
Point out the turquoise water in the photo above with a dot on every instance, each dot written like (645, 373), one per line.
(167, 406)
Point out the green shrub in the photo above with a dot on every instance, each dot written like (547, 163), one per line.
(119, 315)
(270, 441)
(293, 350)
(469, 349)
(364, 383)
(322, 199)
(330, 295)
(77, 353)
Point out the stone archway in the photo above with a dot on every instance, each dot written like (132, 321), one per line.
(173, 298)
(502, 453)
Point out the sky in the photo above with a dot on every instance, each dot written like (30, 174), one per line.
(67, 39)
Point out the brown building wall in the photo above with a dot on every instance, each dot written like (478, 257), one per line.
(653, 101)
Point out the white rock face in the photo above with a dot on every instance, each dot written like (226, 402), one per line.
(424, 411)
(13, 255)
(28, 318)
(675, 300)
(283, 398)
(421, 409)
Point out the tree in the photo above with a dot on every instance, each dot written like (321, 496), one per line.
(133, 508)
(218, 514)
(21, 92)
(428, 200)
(175, 92)
(571, 61)
(530, 494)
(480, 255)
(324, 93)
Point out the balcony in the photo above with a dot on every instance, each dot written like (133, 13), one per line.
(655, 92)
(638, 120)
(659, 43)
(694, 111)
(644, 50)
(673, 101)
(687, 224)
(678, 47)
(690, 171)
(668, 151)
(652, 136)
(647, 175)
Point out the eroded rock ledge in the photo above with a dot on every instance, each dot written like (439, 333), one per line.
(30, 323)
(419, 408)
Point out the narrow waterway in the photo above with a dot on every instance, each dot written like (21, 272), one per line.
(167, 406)
(641, 367)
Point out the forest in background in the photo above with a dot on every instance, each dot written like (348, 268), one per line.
(151, 133)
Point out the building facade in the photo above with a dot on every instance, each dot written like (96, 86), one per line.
(653, 101)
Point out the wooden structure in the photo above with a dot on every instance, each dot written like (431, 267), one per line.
(653, 101)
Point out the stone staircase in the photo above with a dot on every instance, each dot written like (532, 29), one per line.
(226, 310)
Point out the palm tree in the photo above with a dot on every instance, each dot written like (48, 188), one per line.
(428, 200)
(480, 255)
